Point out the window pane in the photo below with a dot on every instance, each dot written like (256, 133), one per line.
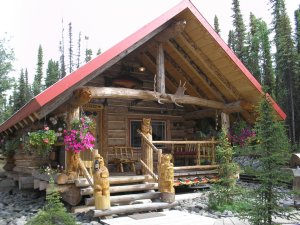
(135, 139)
(158, 132)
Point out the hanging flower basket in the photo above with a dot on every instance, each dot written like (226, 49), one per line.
(79, 138)
(41, 141)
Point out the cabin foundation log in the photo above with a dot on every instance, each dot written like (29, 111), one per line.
(133, 208)
(26, 183)
(126, 198)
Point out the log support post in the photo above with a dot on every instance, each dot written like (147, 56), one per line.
(147, 152)
(225, 121)
(160, 69)
(73, 114)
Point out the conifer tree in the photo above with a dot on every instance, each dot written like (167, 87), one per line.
(88, 55)
(253, 60)
(54, 211)
(52, 73)
(99, 51)
(268, 77)
(297, 77)
(6, 59)
(78, 50)
(273, 152)
(28, 93)
(239, 32)
(21, 91)
(231, 40)
(62, 53)
(37, 83)
(216, 25)
(71, 63)
(285, 63)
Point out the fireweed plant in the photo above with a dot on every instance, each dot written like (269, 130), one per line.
(240, 134)
(79, 138)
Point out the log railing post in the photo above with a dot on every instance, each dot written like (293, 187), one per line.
(147, 152)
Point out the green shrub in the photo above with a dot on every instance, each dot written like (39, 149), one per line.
(54, 212)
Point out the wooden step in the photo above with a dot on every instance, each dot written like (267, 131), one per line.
(126, 209)
(121, 199)
(123, 188)
(82, 182)
(185, 173)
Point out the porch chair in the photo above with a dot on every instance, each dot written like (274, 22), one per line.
(123, 155)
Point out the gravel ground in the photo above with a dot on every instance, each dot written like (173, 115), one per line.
(17, 207)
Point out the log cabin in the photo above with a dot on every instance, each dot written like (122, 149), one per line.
(167, 88)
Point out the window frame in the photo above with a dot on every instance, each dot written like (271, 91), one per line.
(140, 120)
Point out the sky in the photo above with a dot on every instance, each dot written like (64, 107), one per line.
(29, 23)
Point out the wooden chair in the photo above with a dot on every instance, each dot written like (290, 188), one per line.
(123, 155)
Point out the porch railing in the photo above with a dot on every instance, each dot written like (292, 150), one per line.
(203, 152)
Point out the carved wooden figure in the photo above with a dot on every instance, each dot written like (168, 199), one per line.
(101, 184)
(147, 152)
(74, 168)
(166, 179)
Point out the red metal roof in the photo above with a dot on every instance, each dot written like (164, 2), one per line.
(72, 79)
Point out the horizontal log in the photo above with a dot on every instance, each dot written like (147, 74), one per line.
(25, 183)
(197, 167)
(184, 142)
(126, 198)
(125, 188)
(133, 208)
(186, 173)
(82, 182)
(126, 93)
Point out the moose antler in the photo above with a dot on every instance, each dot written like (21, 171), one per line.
(179, 93)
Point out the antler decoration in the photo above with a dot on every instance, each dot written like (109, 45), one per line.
(179, 93)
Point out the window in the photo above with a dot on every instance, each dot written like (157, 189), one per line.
(158, 132)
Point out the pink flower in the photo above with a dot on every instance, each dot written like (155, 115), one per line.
(46, 128)
(46, 140)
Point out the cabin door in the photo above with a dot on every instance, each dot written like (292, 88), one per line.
(94, 112)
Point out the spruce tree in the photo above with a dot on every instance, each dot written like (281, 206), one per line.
(37, 83)
(285, 63)
(78, 50)
(253, 61)
(52, 73)
(6, 66)
(99, 51)
(71, 63)
(28, 92)
(297, 72)
(54, 212)
(21, 92)
(268, 77)
(224, 192)
(239, 32)
(62, 53)
(88, 55)
(231, 40)
(272, 151)
(216, 25)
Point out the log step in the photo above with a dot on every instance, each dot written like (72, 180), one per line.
(126, 209)
(126, 198)
(123, 188)
(82, 182)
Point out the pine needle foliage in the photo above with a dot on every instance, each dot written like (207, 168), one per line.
(225, 191)
(54, 212)
(273, 152)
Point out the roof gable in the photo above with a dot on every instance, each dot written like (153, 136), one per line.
(60, 91)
